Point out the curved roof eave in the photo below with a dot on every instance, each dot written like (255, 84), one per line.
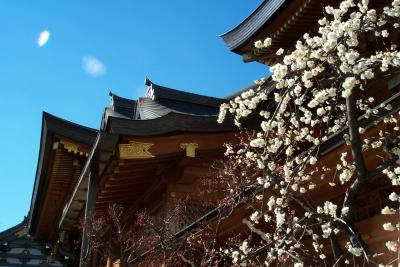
(169, 123)
(250, 26)
(12, 230)
(53, 125)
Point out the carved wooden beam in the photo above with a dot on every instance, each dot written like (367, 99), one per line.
(135, 150)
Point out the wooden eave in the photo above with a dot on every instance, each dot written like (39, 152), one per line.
(298, 18)
(243, 33)
(173, 120)
(55, 170)
(130, 182)
(100, 154)
(170, 123)
(10, 233)
(284, 22)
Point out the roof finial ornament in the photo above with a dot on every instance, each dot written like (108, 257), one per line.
(111, 94)
(147, 81)
(150, 90)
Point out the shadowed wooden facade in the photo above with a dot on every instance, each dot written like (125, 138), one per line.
(146, 152)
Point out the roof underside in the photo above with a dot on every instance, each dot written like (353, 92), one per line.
(54, 128)
(284, 21)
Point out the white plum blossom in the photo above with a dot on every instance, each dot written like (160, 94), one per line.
(348, 86)
(392, 246)
(235, 256)
(267, 42)
(259, 142)
(245, 247)
(356, 251)
(258, 44)
(345, 211)
(389, 227)
(313, 160)
(388, 211)
(346, 175)
(393, 196)
(255, 216)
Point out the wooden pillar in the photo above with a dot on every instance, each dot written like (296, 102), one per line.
(90, 208)
(95, 260)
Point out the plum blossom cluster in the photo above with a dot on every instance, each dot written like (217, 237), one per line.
(318, 91)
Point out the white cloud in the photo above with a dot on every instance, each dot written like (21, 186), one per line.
(43, 38)
(93, 66)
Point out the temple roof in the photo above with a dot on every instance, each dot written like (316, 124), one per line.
(156, 92)
(284, 21)
(9, 233)
(52, 129)
(160, 101)
(167, 124)
(124, 106)
(162, 111)
(242, 33)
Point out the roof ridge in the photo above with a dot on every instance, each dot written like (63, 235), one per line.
(122, 105)
(48, 116)
(156, 91)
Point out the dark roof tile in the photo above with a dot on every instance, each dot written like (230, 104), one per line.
(124, 106)
(238, 36)
(157, 91)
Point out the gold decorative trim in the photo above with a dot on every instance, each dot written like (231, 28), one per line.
(135, 150)
(190, 149)
(73, 148)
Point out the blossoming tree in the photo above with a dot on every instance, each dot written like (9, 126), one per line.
(321, 89)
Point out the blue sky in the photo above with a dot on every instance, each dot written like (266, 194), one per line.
(175, 43)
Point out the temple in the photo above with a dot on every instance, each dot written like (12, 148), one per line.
(146, 152)
(151, 151)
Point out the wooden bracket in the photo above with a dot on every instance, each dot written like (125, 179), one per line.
(190, 149)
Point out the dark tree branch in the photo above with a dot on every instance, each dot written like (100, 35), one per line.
(356, 146)
(356, 150)
(337, 251)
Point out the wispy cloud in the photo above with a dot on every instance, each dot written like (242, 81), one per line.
(93, 66)
(43, 38)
